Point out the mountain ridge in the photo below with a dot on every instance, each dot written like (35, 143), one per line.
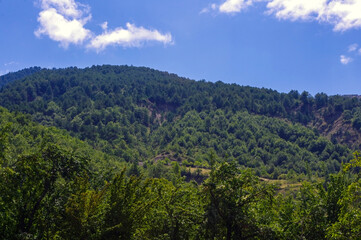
(320, 108)
(137, 113)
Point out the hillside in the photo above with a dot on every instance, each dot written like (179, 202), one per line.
(139, 114)
(342, 126)
(138, 86)
(132, 140)
(21, 137)
(10, 77)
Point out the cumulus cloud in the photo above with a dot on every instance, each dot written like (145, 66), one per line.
(345, 60)
(232, 6)
(131, 36)
(63, 21)
(296, 9)
(342, 14)
(68, 8)
(60, 29)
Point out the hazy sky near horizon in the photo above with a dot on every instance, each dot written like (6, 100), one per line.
(312, 45)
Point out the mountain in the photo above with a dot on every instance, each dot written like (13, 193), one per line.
(140, 114)
(111, 152)
(10, 77)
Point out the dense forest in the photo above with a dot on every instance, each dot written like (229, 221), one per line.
(10, 77)
(139, 114)
(119, 152)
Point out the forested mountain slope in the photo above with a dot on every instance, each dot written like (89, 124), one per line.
(55, 186)
(10, 77)
(138, 114)
(269, 145)
(155, 90)
(21, 137)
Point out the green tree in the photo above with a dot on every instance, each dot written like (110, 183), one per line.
(129, 202)
(30, 190)
(349, 206)
(233, 197)
(84, 212)
(177, 213)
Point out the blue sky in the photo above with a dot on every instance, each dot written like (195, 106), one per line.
(311, 45)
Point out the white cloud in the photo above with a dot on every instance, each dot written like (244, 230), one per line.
(345, 60)
(131, 36)
(104, 26)
(232, 6)
(297, 9)
(229, 6)
(63, 21)
(68, 8)
(342, 14)
(353, 47)
(354, 51)
(60, 29)
(209, 8)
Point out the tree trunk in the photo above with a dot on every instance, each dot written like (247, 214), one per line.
(229, 231)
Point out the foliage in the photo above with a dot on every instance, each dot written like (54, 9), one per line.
(142, 130)
(135, 114)
(233, 200)
(30, 194)
(10, 77)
